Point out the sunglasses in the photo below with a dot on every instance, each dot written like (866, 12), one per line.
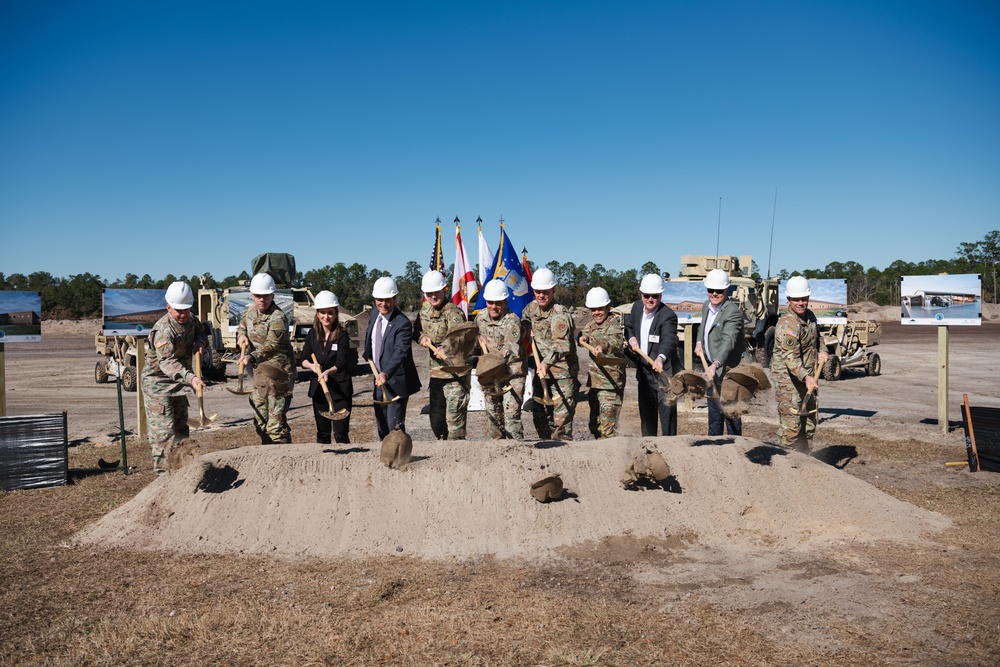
(650, 296)
(717, 291)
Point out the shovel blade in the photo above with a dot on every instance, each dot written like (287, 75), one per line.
(239, 391)
(201, 423)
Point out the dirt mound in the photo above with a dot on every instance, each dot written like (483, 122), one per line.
(471, 499)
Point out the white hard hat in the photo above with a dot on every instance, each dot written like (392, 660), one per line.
(385, 288)
(651, 284)
(326, 299)
(495, 290)
(597, 297)
(797, 287)
(543, 279)
(262, 284)
(179, 296)
(433, 282)
(717, 279)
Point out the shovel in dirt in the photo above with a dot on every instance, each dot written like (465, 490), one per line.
(662, 379)
(387, 396)
(709, 383)
(805, 399)
(239, 391)
(460, 369)
(602, 359)
(202, 419)
(546, 399)
(335, 415)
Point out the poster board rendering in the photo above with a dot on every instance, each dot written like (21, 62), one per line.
(941, 299)
(132, 312)
(828, 299)
(20, 317)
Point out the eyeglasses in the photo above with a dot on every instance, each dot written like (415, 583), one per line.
(717, 291)
(650, 297)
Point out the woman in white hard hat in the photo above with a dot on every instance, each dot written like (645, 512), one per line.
(797, 352)
(264, 331)
(331, 345)
(604, 333)
(502, 332)
(171, 344)
(721, 341)
(652, 327)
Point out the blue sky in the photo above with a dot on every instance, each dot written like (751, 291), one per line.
(188, 137)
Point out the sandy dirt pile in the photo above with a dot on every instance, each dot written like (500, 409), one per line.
(468, 499)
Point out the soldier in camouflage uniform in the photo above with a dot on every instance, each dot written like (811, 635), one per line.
(796, 355)
(265, 327)
(555, 337)
(449, 393)
(171, 343)
(501, 329)
(607, 383)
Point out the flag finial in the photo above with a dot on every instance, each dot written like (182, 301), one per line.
(457, 220)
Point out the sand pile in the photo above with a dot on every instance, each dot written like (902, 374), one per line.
(473, 498)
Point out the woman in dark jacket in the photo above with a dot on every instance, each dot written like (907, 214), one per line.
(328, 340)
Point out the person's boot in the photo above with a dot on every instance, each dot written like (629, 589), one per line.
(160, 464)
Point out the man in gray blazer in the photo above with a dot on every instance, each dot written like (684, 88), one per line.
(387, 343)
(652, 327)
(720, 339)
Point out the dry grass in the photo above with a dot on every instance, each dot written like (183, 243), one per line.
(71, 606)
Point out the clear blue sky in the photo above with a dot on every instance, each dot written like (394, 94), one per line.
(187, 137)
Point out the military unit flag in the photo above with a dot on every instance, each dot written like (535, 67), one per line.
(507, 267)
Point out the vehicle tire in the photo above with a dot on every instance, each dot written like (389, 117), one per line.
(831, 369)
(101, 372)
(874, 365)
(206, 364)
(768, 350)
(128, 378)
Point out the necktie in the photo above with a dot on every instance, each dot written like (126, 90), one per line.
(377, 347)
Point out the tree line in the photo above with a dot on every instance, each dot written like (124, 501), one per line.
(80, 295)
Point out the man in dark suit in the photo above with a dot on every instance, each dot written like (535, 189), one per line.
(387, 343)
(720, 340)
(652, 327)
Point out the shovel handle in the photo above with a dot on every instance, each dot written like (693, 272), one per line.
(538, 364)
(805, 399)
(590, 348)
(322, 382)
(197, 370)
(243, 353)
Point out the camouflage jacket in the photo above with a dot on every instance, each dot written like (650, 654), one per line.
(555, 336)
(505, 337)
(611, 336)
(270, 342)
(796, 346)
(169, 349)
(435, 324)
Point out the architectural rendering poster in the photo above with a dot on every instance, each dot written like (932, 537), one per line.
(20, 317)
(942, 299)
(241, 299)
(827, 300)
(132, 312)
(685, 299)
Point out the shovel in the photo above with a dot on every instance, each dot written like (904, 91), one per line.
(709, 382)
(336, 415)
(387, 396)
(461, 369)
(805, 399)
(202, 419)
(662, 379)
(239, 390)
(546, 399)
(601, 359)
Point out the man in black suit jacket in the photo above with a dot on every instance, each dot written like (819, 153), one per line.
(652, 327)
(394, 358)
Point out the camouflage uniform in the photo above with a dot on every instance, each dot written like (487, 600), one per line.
(449, 393)
(607, 383)
(555, 337)
(796, 353)
(274, 374)
(165, 382)
(503, 409)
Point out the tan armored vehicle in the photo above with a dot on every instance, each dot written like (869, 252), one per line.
(118, 360)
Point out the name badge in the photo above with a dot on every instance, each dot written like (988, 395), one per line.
(654, 339)
(333, 348)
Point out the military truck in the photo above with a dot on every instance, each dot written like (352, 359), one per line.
(757, 298)
(849, 347)
(220, 309)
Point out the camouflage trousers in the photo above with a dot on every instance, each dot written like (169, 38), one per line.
(449, 407)
(605, 404)
(503, 411)
(270, 400)
(555, 422)
(795, 431)
(166, 424)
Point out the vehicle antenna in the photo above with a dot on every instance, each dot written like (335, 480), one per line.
(771, 246)
(718, 233)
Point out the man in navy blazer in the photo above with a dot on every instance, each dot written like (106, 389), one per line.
(652, 327)
(387, 343)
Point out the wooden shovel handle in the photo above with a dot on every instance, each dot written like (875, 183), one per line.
(197, 370)
(590, 348)
(243, 352)
(318, 371)
(538, 364)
